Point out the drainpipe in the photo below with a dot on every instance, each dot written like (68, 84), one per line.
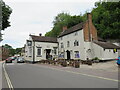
(33, 52)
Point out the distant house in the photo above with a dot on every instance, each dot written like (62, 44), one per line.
(23, 51)
(41, 48)
(81, 42)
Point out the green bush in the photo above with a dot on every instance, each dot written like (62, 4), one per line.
(96, 58)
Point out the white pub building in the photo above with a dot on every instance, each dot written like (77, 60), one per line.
(78, 42)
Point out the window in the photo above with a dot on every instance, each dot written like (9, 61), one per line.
(76, 43)
(68, 44)
(38, 51)
(77, 55)
(30, 51)
(61, 38)
(61, 55)
(76, 33)
(55, 50)
(29, 43)
(62, 45)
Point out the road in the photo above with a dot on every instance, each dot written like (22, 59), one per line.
(24, 75)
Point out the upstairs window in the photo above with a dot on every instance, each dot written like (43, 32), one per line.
(76, 43)
(62, 45)
(29, 43)
(76, 33)
(68, 44)
(61, 38)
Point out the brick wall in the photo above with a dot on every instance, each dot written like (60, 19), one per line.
(90, 32)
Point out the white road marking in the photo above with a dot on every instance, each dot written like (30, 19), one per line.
(7, 78)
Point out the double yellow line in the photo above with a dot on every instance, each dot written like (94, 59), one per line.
(10, 86)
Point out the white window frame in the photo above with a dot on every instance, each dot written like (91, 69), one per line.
(76, 54)
(39, 48)
(68, 43)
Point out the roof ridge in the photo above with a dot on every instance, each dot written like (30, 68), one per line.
(72, 29)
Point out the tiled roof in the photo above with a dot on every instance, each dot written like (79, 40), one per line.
(44, 39)
(72, 29)
(106, 45)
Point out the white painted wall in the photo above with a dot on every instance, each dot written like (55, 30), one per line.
(27, 56)
(104, 54)
(89, 50)
(44, 45)
(71, 38)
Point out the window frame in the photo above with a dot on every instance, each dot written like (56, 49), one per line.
(68, 43)
(62, 46)
(76, 43)
(76, 53)
(55, 50)
(39, 55)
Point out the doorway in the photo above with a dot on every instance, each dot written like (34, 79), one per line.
(68, 55)
(48, 53)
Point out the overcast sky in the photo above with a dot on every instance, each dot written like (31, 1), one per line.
(36, 16)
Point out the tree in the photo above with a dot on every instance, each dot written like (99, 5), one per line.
(5, 12)
(63, 19)
(106, 19)
(18, 51)
(11, 50)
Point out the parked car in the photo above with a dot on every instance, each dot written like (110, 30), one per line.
(118, 61)
(8, 60)
(20, 60)
(13, 57)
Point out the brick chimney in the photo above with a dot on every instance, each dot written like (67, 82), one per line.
(90, 32)
(64, 28)
(89, 17)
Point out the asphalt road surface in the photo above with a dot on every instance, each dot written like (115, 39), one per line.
(24, 75)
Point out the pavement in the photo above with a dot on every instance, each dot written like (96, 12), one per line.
(0, 75)
(109, 66)
(49, 76)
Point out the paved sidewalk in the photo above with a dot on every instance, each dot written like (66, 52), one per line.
(0, 75)
(99, 69)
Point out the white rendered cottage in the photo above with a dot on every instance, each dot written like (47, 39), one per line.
(40, 48)
(78, 42)
(81, 42)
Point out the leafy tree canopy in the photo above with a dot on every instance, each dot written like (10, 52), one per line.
(12, 51)
(63, 19)
(5, 12)
(105, 18)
